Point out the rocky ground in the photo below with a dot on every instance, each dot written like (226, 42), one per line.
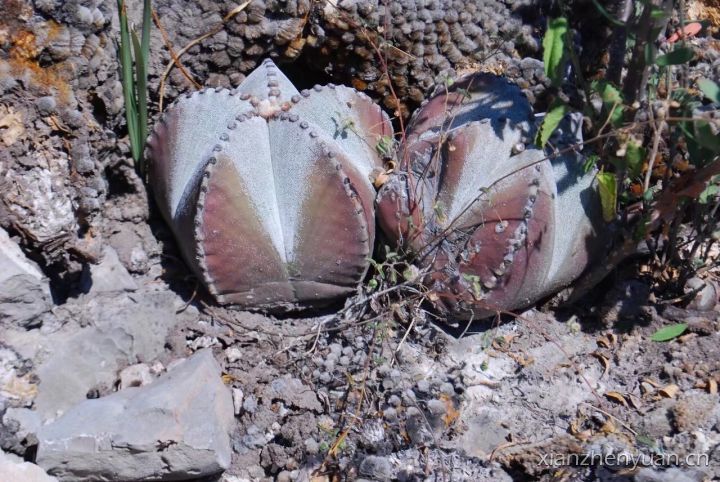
(116, 365)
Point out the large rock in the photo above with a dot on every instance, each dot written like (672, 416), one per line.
(14, 469)
(98, 338)
(174, 429)
(24, 290)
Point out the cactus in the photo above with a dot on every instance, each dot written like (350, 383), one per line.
(267, 189)
(495, 224)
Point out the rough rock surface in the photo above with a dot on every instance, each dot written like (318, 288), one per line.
(24, 290)
(15, 469)
(97, 337)
(174, 429)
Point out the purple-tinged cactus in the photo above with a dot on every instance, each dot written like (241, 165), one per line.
(267, 189)
(496, 225)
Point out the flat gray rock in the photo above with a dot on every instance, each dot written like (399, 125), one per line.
(108, 276)
(24, 290)
(117, 330)
(176, 428)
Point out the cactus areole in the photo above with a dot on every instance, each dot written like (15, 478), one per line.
(495, 224)
(267, 189)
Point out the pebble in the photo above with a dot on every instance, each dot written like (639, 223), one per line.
(135, 376)
(250, 403)
(311, 446)
(202, 342)
(237, 396)
(46, 105)
(447, 388)
(707, 294)
(423, 386)
(233, 354)
(379, 468)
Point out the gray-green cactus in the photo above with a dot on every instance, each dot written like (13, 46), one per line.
(268, 190)
(495, 223)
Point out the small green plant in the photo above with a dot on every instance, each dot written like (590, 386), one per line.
(390, 269)
(133, 54)
(645, 135)
(385, 146)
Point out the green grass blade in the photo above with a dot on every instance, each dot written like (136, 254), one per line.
(126, 64)
(141, 93)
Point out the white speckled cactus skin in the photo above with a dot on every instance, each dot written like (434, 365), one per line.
(495, 223)
(268, 190)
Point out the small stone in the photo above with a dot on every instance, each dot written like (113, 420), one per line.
(311, 446)
(423, 386)
(108, 276)
(707, 293)
(447, 389)
(294, 393)
(135, 376)
(237, 396)
(202, 342)
(46, 105)
(233, 354)
(436, 407)
(417, 428)
(390, 414)
(250, 403)
(157, 368)
(283, 476)
(379, 468)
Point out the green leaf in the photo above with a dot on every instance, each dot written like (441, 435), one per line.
(634, 157)
(612, 100)
(678, 56)
(711, 191)
(551, 121)
(140, 97)
(590, 162)
(608, 194)
(710, 89)
(554, 51)
(657, 13)
(705, 136)
(650, 53)
(669, 332)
